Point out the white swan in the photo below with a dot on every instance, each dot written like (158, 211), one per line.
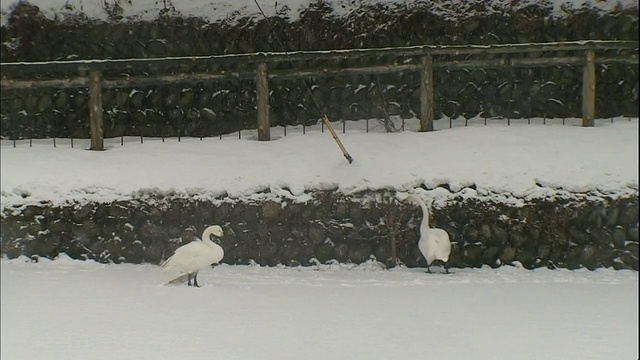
(196, 255)
(434, 244)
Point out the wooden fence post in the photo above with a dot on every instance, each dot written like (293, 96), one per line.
(589, 89)
(262, 95)
(95, 110)
(426, 94)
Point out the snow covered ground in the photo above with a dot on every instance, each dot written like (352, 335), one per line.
(68, 309)
(523, 161)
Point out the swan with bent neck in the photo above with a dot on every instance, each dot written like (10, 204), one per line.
(434, 243)
(189, 259)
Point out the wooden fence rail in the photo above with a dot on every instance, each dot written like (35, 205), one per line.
(89, 73)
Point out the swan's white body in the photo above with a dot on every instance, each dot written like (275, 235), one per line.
(434, 244)
(196, 255)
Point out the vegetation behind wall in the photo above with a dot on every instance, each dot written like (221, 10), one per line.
(219, 107)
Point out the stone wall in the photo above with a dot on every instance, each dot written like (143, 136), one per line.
(219, 107)
(580, 231)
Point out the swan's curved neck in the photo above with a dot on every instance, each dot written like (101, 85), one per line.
(425, 213)
(206, 235)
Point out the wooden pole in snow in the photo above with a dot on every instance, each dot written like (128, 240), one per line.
(95, 110)
(426, 94)
(262, 81)
(589, 89)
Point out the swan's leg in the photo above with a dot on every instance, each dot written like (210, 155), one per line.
(429, 268)
(446, 268)
(195, 279)
(189, 282)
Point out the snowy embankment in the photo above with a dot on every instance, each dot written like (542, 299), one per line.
(496, 161)
(84, 310)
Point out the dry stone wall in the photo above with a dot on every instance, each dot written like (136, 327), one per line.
(579, 231)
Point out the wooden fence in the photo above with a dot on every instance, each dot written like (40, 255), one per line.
(89, 73)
